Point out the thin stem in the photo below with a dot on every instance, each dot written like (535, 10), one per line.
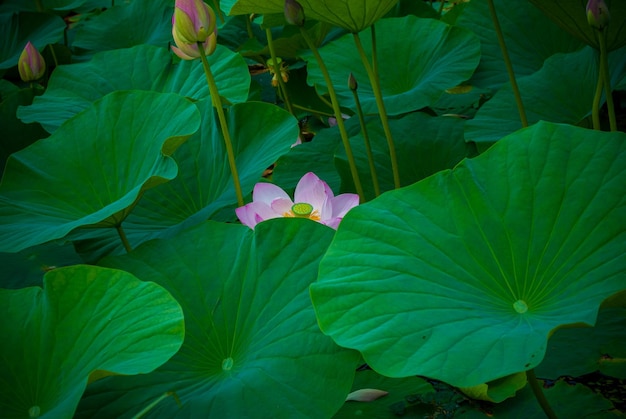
(368, 148)
(539, 395)
(595, 108)
(312, 111)
(39, 5)
(381, 110)
(154, 403)
(249, 27)
(217, 104)
(220, 15)
(374, 53)
(509, 66)
(54, 55)
(122, 234)
(337, 111)
(606, 77)
(281, 83)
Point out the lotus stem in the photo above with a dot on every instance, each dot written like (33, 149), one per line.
(509, 66)
(337, 111)
(606, 79)
(311, 111)
(595, 108)
(374, 52)
(539, 395)
(154, 403)
(381, 110)
(366, 139)
(123, 238)
(216, 4)
(281, 84)
(217, 104)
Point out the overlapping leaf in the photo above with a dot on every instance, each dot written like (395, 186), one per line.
(412, 74)
(260, 133)
(86, 318)
(252, 345)
(93, 169)
(73, 88)
(463, 276)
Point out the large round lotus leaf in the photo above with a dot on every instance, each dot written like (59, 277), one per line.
(546, 94)
(19, 28)
(75, 87)
(571, 15)
(86, 318)
(528, 46)
(417, 60)
(94, 168)
(353, 15)
(260, 132)
(127, 24)
(463, 276)
(252, 346)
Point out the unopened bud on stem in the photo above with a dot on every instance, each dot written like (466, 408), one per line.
(294, 13)
(598, 14)
(31, 64)
(352, 84)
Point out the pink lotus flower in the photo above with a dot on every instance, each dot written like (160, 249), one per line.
(313, 199)
(193, 21)
(31, 64)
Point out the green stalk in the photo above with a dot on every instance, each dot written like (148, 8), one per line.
(220, 15)
(381, 110)
(595, 108)
(374, 53)
(337, 110)
(311, 111)
(606, 79)
(366, 138)
(539, 395)
(509, 66)
(122, 234)
(217, 104)
(281, 83)
(154, 403)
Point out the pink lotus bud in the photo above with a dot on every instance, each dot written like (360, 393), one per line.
(191, 51)
(294, 13)
(193, 21)
(598, 14)
(31, 64)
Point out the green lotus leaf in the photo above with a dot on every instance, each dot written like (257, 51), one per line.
(85, 318)
(252, 345)
(547, 95)
(260, 132)
(75, 87)
(412, 74)
(571, 16)
(126, 24)
(528, 46)
(580, 351)
(353, 15)
(19, 28)
(15, 134)
(79, 6)
(567, 401)
(93, 169)
(463, 276)
(497, 390)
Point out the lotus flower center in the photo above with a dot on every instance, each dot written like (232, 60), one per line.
(302, 210)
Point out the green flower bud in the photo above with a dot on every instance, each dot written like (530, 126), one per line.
(294, 13)
(193, 21)
(352, 84)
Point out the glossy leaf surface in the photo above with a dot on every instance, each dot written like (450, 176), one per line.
(463, 276)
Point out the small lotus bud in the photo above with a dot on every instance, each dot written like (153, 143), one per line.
(193, 21)
(31, 64)
(294, 13)
(598, 14)
(352, 84)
